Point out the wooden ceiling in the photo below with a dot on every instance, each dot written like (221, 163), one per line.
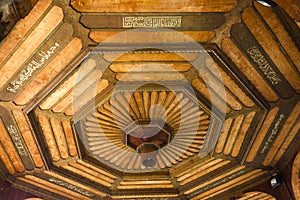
(225, 75)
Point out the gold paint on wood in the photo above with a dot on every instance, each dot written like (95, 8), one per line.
(223, 135)
(69, 137)
(59, 137)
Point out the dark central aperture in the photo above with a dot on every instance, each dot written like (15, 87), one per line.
(146, 137)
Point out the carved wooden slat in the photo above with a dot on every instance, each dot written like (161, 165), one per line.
(49, 137)
(282, 35)
(246, 67)
(154, 6)
(262, 133)
(22, 29)
(139, 37)
(45, 27)
(233, 134)
(6, 160)
(230, 84)
(69, 137)
(265, 39)
(57, 65)
(28, 137)
(59, 137)
(223, 135)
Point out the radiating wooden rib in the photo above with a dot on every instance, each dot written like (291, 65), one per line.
(119, 110)
(223, 135)
(59, 138)
(132, 162)
(99, 117)
(101, 123)
(108, 116)
(287, 142)
(204, 171)
(138, 163)
(228, 185)
(171, 157)
(55, 189)
(154, 6)
(119, 116)
(188, 169)
(217, 86)
(265, 39)
(182, 106)
(285, 131)
(185, 146)
(160, 101)
(233, 134)
(191, 137)
(242, 133)
(188, 129)
(103, 128)
(108, 174)
(49, 137)
(160, 162)
(262, 133)
(193, 125)
(92, 190)
(245, 66)
(123, 100)
(28, 137)
(175, 155)
(146, 104)
(192, 115)
(6, 160)
(22, 28)
(132, 77)
(130, 102)
(282, 35)
(100, 149)
(31, 43)
(185, 111)
(169, 99)
(173, 104)
(220, 177)
(94, 173)
(219, 103)
(86, 175)
(179, 152)
(124, 161)
(248, 178)
(230, 84)
(184, 152)
(67, 85)
(166, 159)
(54, 67)
(114, 151)
(117, 155)
(139, 102)
(153, 100)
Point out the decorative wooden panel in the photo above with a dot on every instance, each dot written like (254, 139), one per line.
(70, 109)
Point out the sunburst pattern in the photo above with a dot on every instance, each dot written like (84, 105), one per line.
(103, 127)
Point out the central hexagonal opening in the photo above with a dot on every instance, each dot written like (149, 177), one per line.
(147, 136)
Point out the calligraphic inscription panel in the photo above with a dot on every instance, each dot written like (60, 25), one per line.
(37, 62)
(260, 60)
